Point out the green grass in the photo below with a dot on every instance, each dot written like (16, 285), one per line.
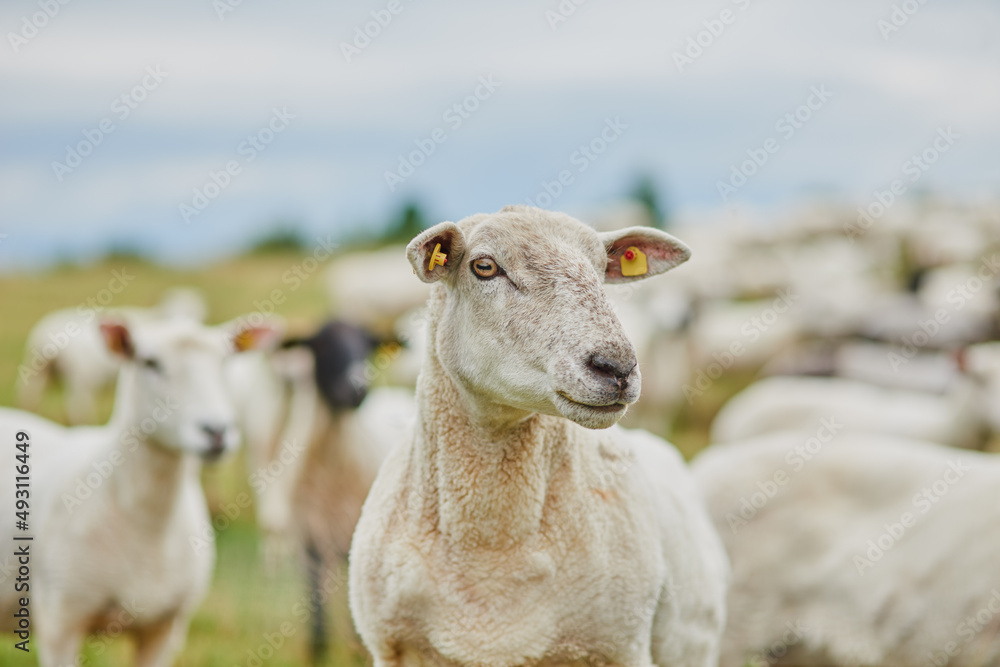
(244, 605)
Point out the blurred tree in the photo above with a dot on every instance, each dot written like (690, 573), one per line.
(411, 221)
(124, 251)
(283, 237)
(644, 191)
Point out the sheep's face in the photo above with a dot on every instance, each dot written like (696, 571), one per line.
(983, 363)
(340, 351)
(173, 377)
(521, 316)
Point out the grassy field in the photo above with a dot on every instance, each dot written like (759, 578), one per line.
(242, 619)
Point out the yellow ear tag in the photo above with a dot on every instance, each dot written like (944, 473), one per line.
(634, 262)
(246, 339)
(438, 258)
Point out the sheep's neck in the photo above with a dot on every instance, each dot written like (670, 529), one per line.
(146, 478)
(483, 483)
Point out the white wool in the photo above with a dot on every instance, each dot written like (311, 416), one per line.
(860, 549)
(504, 533)
(122, 539)
(781, 403)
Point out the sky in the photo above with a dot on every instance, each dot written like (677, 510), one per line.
(189, 129)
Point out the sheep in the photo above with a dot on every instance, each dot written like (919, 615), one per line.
(508, 530)
(875, 363)
(778, 403)
(868, 550)
(746, 334)
(382, 297)
(656, 321)
(122, 537)
(69, 343)
(311, 471)
(906, 320)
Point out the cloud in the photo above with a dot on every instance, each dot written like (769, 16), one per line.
(354, 119)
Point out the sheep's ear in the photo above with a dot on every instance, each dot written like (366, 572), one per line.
(960, 355)
(118, 339)
(981, 361)
(246, 335)
(640, 252)
(436, 252)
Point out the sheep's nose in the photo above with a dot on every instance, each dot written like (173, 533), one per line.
(618, 369)
(216, 436)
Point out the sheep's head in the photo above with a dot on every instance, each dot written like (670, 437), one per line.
(340, 351)
(172, 384)
(521, 317)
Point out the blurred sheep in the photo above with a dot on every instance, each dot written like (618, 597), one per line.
(124, 542)
(312, 459)
(856, 549)
(68, 344)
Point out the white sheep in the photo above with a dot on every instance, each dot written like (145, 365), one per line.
(122, 538)
(68, 343)
(780, 403)
(856, 549)
(373, 288)
(743, 335)
(893, 366)
(507, 531)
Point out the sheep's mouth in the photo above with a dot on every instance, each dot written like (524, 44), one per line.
(212, 454)
(607, 408)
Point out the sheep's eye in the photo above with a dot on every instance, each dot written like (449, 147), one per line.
(485, 268)
(152, 364)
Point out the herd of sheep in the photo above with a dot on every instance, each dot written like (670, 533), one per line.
(453, 434)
